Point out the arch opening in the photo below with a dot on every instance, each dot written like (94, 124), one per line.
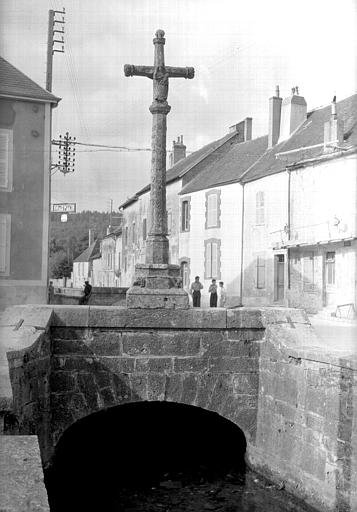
(139, 445)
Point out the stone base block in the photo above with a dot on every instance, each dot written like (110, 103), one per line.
(150, 298)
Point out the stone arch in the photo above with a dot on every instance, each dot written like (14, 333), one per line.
(127, 444)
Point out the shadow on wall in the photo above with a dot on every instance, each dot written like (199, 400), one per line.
(136, 445)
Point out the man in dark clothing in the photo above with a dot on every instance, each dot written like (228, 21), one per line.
(213, 291)
(195, 290)
(87, 293)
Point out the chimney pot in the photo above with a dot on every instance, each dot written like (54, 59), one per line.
(293, 114)
(274, 118)
(178, 150)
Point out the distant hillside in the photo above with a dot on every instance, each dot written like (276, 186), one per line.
(69, 239)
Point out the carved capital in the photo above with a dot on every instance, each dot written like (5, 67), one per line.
(128, 70)
(190, 72)
(159, 108)
(159, 37)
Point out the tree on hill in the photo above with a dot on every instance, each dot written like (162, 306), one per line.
(69, 239)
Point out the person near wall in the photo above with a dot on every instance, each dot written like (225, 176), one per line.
(213, 294)
(87, 293)
(195, 291)
(222, 295)
(51, 292)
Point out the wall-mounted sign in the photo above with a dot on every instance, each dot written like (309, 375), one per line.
(64, 217)
(64, 208)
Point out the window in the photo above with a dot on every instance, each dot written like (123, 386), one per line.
(185, 272)
(109, 260)
(308, 272)
(5, 231)
(212, 259)
(185, 215)
(126, 235)
(260, 272)
(213, 209)
(169, 221)
(125, 263)
(6, 151)
(259, 208)
(330, 268)
(144, 229)
(134, 233)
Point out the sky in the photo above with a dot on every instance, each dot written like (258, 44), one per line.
(240, 51)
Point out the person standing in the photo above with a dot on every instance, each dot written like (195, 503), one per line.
(213, 297)
(222, 295)
(87, 293)
(195, 290)
(51, 292)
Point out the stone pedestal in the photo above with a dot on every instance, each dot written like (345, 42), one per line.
(157, 286)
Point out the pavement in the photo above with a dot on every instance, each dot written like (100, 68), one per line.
(336, 334)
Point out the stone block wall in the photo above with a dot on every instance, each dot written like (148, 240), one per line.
(307, 421)
(263, 369)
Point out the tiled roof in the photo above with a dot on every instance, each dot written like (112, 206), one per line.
(14, 83)
(89, 254)
(310, 133)
(230, 167)
(184, 165)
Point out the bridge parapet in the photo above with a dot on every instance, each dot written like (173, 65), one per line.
(262, 368)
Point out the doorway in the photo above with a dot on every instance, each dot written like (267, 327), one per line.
(330, 278)
(279, 278)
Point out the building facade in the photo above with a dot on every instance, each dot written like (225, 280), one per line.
(25, 144)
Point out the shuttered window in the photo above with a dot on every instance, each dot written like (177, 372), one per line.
(308, 272)
(213, 209)
(212, 259)
(6, 150)
(260, 272)
(5, 230)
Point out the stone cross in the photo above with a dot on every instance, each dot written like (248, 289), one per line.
(157, 244)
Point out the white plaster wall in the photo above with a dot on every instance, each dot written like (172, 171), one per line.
(323, 205)
(261, 239)
(192, 243)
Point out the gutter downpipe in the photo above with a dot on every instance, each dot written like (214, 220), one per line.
(289, 223)
(242, 249)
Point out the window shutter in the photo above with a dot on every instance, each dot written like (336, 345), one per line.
(212, 210)
(214, 264)
(208, 259)
(4, 159)
(260, 272)
(144, 229)
(4, 242)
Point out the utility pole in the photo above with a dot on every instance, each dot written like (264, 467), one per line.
(51, 43)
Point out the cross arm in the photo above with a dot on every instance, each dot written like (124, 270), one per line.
(175, 72)
(130, 70)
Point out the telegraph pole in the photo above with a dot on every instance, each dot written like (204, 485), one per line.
(51, 42)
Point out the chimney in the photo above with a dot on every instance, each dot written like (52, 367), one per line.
(89, 237)
(274, 118)
(178, 151)
(244, 129)
(333, 129)
(293, 113)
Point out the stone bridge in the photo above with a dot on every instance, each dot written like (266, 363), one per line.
(262, 369)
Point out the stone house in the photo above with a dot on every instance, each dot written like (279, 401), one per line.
(136, 221)
(25, 144)
(211, 218)
(106, 268)
(84, 263)
(299, 241)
